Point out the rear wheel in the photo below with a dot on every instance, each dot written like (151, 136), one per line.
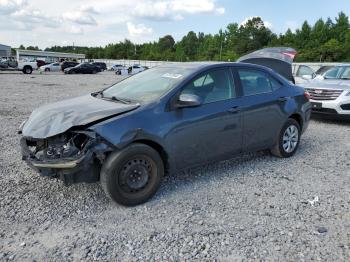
(27, 70)
(288, 140)
(133, 175)
(47, 69)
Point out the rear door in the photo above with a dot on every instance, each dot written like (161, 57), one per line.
(212, 130)
(262, 108)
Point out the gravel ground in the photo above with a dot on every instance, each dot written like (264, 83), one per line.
(252, 207)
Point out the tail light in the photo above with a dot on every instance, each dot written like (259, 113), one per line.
(307, 95)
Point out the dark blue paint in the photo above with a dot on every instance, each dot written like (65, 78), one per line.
(209, 132)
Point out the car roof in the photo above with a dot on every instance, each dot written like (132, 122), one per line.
(207, 65)
(342, 65)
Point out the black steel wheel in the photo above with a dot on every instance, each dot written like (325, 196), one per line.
(133, 175)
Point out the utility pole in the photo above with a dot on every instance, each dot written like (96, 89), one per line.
(221, 44)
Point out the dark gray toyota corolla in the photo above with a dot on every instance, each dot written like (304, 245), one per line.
(167, 118)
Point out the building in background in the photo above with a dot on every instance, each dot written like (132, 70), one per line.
(48, 57)
(5, 50)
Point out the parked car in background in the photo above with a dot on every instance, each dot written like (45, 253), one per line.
(11, 64)
(53, 67)
(330, 92)
(122, 70)
(169, 117)
(8, 62)
(100, 65)
(136, 69)
(67, 64)
(116, 67)
(40, 63)
(304, 73)
(84, 68)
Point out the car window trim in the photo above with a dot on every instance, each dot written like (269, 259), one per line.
(262, 71)
(172, 100)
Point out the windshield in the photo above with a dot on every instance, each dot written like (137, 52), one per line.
(149, 85)
(338, 72)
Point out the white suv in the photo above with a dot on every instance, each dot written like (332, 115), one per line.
(330, 93)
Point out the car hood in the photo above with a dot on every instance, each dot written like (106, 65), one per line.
(56, 118)
(329, 84)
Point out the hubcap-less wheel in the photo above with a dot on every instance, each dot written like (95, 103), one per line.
(136, 174)
(290, 138)
(132, 175)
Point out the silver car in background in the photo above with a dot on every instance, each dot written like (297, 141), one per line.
(330, 92)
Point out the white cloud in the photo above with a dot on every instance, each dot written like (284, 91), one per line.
(30, 18)
(174, 9)
(220, 11)
(77, 30)
(107, 21)
(138, 30)
(11, 6)
(267, 24)
(79, 17)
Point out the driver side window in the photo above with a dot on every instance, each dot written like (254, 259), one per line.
(215, 85)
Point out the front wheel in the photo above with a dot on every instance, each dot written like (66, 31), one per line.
(288, 140)
(133, 175)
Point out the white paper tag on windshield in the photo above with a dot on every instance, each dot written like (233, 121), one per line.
(174, 76)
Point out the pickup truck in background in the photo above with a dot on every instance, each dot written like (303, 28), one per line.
(11, 64)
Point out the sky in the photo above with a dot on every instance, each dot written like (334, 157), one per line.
(46, 23)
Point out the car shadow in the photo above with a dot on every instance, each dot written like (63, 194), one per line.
(235, 168)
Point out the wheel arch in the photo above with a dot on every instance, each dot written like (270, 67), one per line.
(156, 146)
(297, 117)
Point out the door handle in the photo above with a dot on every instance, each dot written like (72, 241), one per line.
(283, 99)
(234, 109)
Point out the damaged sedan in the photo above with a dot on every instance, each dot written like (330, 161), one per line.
(162, 120)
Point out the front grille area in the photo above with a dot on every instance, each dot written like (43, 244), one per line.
(324, 110)
(324, 94)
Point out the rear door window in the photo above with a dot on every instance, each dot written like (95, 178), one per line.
(255, 82)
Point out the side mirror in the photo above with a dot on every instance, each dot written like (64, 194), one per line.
(188, 100)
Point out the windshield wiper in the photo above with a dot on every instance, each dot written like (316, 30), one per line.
(113, 98)
(118, 99)
(345, 78)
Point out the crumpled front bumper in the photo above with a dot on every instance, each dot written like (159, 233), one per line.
(82, 168)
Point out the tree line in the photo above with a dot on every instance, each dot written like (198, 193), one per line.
(326, 40)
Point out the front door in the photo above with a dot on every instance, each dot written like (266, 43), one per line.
(212, 130)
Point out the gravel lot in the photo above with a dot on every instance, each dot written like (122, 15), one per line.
(253, 207)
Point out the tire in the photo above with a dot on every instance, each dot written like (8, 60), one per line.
(133, 175)
(281, 149)
(94, 71)
(27, 70)
(47, 69)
